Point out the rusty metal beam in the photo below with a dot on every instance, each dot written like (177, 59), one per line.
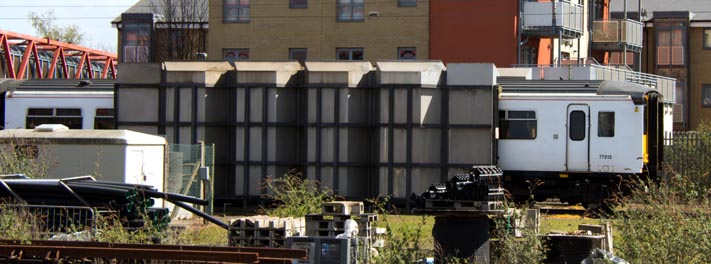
(34, 251)
(25, 60)
(275, 253)
(80, 67)
(53, 63)
(10, 64)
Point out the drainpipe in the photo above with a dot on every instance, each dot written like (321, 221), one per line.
(518, 34)
(639, 54)
(624, 55)
(593, 7)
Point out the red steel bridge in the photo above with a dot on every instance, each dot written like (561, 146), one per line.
(29, 57)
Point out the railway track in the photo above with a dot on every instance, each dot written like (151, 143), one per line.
(45, 251)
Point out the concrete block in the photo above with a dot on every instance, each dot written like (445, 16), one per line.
(471, 74)
(343, 208)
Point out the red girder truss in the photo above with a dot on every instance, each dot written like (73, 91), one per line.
(61, 50)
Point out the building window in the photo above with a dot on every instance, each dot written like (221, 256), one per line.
(707, 38)
(349, 53)
(670, 47)
(70, 117)
(299, 3)
(407, 2)
(529, 55)
(350, 10)
(606, 124)
(517, 124)
(232, 55)
(298, 54)
(235, 11)
(104, 118)
(706, 95)
(406, 53)
(136, 42)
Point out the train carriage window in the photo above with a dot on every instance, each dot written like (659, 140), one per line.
(606, 124)
(577, 125)
(517, 124)
(70, 117)
(104, 118)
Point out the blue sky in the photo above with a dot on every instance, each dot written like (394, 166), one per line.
(92, 16)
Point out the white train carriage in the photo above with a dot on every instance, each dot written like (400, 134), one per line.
(33, 103)
(575, 143)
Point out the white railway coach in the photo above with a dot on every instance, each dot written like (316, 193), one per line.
(74, 105)
(576, 143)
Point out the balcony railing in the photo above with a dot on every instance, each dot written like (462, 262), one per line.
(665, 85)
(553, 18)
(613, 34)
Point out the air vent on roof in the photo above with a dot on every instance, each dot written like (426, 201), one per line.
(50, 128)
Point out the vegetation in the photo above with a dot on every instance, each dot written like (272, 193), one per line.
(19, 224)
(44, 25)
(668, 222)
(403, 242)
(526, 248)
(295, 196)
(19, 157)
(665, 224)
(689, 157)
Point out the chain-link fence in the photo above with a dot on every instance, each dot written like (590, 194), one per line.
(190, 171)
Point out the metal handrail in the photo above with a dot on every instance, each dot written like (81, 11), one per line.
(665, 85)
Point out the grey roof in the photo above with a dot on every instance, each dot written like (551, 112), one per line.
(63, 84)
(636, 91)
(84, 136)
(194, 10)
(700, 9)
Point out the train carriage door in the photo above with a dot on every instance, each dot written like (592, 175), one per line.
(578, 142)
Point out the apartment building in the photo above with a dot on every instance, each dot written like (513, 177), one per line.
(517, 32)
(160, 30)
(318, 30)
(677, 43)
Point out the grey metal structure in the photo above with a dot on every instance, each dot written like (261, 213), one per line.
(361, 130)
(339, 134)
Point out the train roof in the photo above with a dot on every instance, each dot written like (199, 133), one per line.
(565, 87)
(63, 85)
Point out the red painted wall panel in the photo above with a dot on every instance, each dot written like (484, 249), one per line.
(474, 31)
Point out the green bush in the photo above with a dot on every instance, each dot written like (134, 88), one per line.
(19, 157)
(663, 224)
(18, 223)
(295, 196)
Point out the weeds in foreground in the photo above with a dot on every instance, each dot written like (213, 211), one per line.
(403, 244)
(665, 223)
(19, 224)
(527, 247)
(295, 196)
(18, 156)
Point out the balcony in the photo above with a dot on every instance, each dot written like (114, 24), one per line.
(553, 19)
(617, 35)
